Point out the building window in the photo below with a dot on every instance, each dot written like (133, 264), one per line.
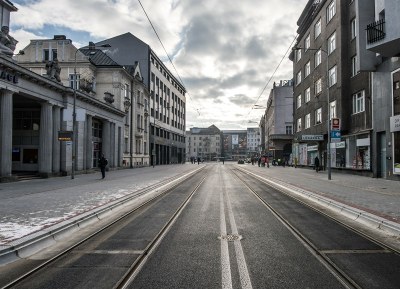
(307, 69)
(353, 28)
(318, 86)
(332, 43)
(317, 58)
(330, 11)
(289, 129)
(298, 101)
(298, 78)
(359, 102)
(318, 116)
(317, 28)
(49, 55)
(72, 81)
(332, 76)
(354, 65)
(298, 55)
(126, 90)
(298, 125)
(307, 95)
(332, 109)
(307, 121)
(307, 42)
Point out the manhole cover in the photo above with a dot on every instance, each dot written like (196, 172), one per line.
(230, 237)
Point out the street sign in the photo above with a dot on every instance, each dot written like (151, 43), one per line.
(336, 136)
(312, 137)
(335, 124)
(65, 135)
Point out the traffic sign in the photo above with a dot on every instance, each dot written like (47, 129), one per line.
(335, 123)
(336, 134)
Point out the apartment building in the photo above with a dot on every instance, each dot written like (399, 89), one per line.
(167, 106)
(253, 141)
(328, 86)
(204, 143)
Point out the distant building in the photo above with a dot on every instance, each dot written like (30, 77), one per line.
(205, 143)
(235, 144)
(253, 141)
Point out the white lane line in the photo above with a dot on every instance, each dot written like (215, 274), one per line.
(225, 262)
(242, 266)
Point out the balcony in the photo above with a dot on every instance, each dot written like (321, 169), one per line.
(376, 31)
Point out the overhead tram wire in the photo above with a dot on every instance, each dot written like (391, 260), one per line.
(276, 69)
(169, 58)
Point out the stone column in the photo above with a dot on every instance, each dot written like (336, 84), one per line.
(89, 142)
(6, 111)
(45, 139)
(56, 142)
(106, 140)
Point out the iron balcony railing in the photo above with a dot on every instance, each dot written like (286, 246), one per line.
(376, 31)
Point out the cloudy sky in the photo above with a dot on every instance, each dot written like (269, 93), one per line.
(224, 51)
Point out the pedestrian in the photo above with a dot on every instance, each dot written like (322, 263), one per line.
(295, 162)
(316, 164)
(259, 161)
(102, 164)
(198, 160)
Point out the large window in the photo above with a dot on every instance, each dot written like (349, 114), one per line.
(307, 69)
(330, 11)
(332, 109)
(353, 28)
(332, 43)
(307, 95)
(318, 58)
(298, 124)
(359, 102)
(49, 54)
(332, 76)
(308, 121)
(298, 101)
(318, 86)
(317, 28)
(307, 42)
(72, 82)
(26, 120)
(298, 78)
(298, 55)
(318, 116)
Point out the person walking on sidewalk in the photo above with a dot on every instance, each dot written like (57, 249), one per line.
(316, 164)
(102, 164)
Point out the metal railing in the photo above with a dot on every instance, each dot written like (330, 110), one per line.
(376, 31)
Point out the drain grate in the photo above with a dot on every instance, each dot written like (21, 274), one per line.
(230, 237)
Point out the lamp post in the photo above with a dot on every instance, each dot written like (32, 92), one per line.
(91, 47)
(328, 107)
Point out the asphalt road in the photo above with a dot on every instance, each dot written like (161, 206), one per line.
(225, 237)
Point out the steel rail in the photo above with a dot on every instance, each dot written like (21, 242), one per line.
(141, 260)
(346, 280)
(385, 246)
(34, 270)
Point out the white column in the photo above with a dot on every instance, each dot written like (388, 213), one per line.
(89, 142)
(56, 142)
(45, 139)
(6, 109)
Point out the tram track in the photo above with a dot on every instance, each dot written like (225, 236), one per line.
(346, 276)
(198, 175)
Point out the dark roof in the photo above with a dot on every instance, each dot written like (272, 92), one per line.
(99, 58)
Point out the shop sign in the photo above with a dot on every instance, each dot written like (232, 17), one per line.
(363, 142)
(312, 148)
(311, 137)
(341, 145)
(8, 76)
(395, 123)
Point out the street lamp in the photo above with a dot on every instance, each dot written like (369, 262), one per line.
(328, 107)
(91, 47)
